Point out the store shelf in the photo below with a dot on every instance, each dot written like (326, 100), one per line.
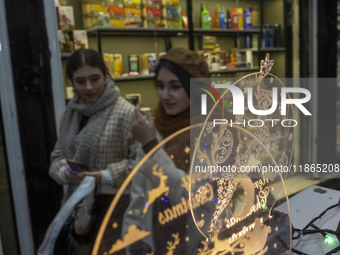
(137, 31)
(165, 33)
(225, 32)
(237, 70)
(134, 78)
(151, 77)
(275, 49)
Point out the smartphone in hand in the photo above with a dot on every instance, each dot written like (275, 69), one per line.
(75, 167)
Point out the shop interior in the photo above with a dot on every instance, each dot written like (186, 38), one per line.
(132, 35)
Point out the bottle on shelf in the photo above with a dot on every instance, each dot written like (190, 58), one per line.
(223, 24)
(214, 63)
(143, 64)
(234, 19)
(247, 19)
(184, 19)
(118, 71)
(248, 42)
(268, 36)
(255, 17)
(277, 36)
(133, 64)
(228, 22)
(240, 25)
(200, 15)
(255, 41)
(205, 18)
(217, 17)
(217, 55)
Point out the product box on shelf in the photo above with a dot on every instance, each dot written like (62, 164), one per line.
(222, 59)
(103, 19)
(152, 16)
(66, 17)
(133, 10)
(151, 2)
(116, 14)
(93, 9)
(128, 2)
(154, 23)
(209, 42)
(116, 10)
(113, 63)
(114, 1)
(170, 2)
(147, 63)
(172, 16)
(117, 21)
(143, 64)
(66, 41)
(133, 60)
(80, 39)
(133, 16)
(94, 14)
(118, 65)
(151, 62)
(109, 62)
(152, 11)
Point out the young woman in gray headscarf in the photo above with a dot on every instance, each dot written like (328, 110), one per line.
(95, 132)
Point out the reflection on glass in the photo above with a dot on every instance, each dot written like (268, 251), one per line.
(174, 212)
(196, 200)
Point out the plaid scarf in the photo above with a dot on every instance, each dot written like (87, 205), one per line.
(81, 146)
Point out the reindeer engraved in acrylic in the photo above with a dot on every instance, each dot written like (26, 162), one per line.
(158, 191)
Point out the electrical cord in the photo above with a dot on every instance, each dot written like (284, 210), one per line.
(324, 232)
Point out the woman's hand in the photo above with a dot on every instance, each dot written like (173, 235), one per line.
(96, 174)
(143, 130)
(77, 178)
(74, 178)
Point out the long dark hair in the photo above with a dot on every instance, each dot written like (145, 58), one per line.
(84, 57)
